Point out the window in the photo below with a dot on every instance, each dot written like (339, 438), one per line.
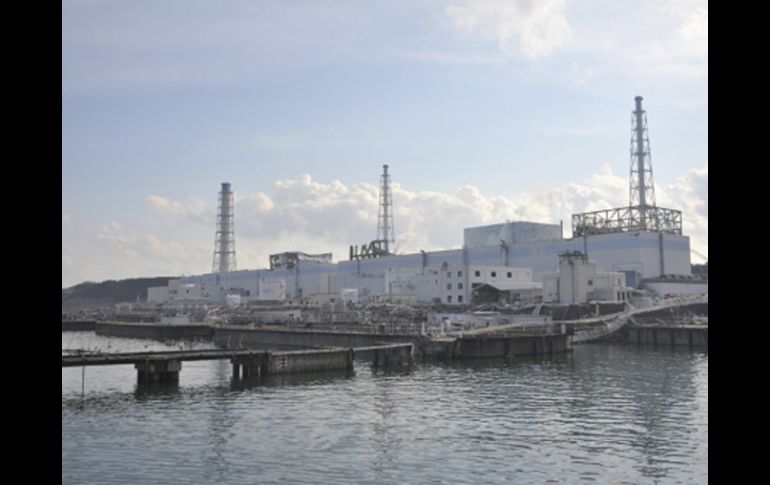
(494, 274)
(459, 286)
(590, 282)
(459, 298)
(459, 274)
(478, 273)
(510, 275)
(449, 299)
(449, 286)
(448, 274)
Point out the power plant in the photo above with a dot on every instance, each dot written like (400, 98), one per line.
(611, 254)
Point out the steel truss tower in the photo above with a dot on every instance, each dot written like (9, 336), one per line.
(641, 214)
(641, 191)
(385, 231)
(224, 245)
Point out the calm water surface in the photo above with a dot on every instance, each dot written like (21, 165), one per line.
(603, 414)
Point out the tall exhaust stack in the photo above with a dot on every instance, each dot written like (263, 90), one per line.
(641, 190)
(385, 231)
(224, 246)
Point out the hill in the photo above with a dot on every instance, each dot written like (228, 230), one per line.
(90, 295)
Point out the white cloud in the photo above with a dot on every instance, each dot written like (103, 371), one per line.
(535, 29)
(695, 31)
(195, 209)
(690, 195)
(148, 254)
(305, 215)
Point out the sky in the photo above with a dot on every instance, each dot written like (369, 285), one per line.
(485, 111)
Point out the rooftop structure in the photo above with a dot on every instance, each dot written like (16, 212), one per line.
(641, 214)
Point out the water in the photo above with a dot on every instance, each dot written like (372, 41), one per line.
(603, 414)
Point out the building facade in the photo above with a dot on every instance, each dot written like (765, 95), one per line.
(524, 253)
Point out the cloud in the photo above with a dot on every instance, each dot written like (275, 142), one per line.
(195, 209)
(148, 254)
(302, 214)
(694, 32)
(690, 195)
(534, 29)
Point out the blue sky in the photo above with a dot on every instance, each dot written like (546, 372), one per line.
(485, 111)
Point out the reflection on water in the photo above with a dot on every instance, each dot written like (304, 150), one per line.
(603, 414)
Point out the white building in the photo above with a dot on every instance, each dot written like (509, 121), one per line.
(500, 254)
(580, 281)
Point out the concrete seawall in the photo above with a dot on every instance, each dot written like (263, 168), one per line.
(309, 361)
(692, 336)
(511, 346)
(78, 325)
(305, 339)
(153, 331)
(449, 347)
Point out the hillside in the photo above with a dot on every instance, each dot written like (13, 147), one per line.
(90, 295)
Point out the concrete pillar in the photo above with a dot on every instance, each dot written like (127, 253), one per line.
(250, 366)
(158, 372)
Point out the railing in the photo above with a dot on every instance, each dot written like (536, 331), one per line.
(621, 320)
(598, 332)
(549, 328)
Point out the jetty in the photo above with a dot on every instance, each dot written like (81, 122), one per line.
(164, 367)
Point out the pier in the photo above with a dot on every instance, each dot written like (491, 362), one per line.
(164, 367)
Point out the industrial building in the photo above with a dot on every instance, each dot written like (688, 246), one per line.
(579, 280)
(619, 249)
(449, 276)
